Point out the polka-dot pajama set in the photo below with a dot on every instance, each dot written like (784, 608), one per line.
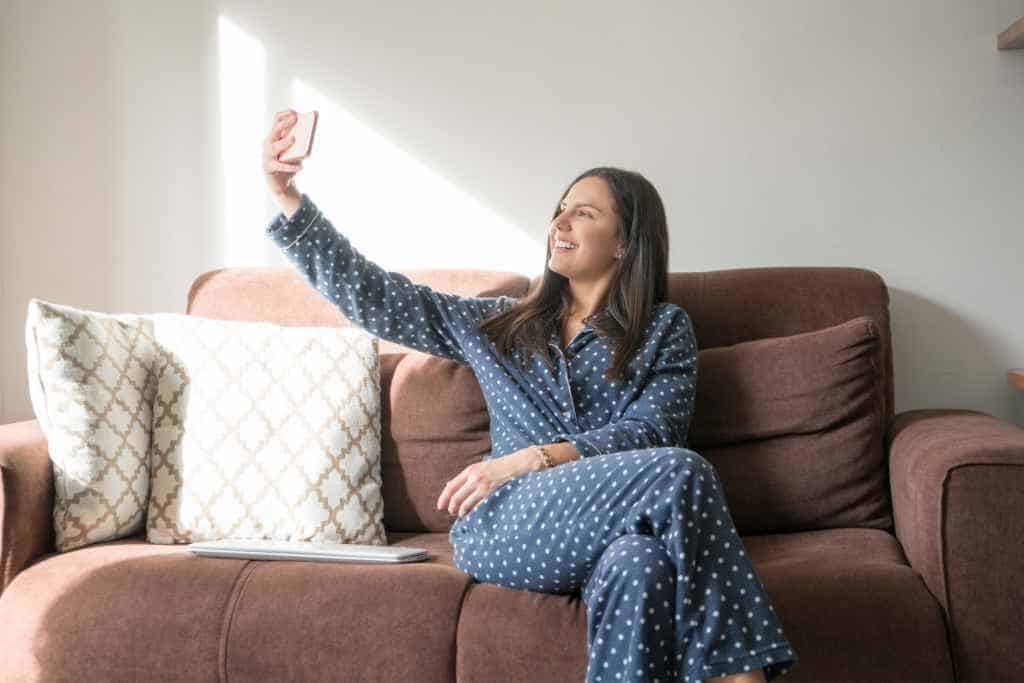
(638, 526)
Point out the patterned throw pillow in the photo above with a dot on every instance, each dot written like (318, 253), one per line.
(264, 431)
(91, 388)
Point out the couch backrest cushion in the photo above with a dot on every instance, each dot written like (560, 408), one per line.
(742, 304)
(795, 430)
(738, 305)
(437, 425)
(434, 441)
(424, 441)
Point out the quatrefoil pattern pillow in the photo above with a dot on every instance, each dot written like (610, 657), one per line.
(264, 431)
(91, 387)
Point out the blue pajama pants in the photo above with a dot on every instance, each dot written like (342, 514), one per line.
(647, 538)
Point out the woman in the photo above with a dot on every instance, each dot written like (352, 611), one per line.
(590, 383)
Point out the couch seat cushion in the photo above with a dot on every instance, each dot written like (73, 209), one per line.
(348, 622)
(117, 611)
(128, 610)
(850, 604)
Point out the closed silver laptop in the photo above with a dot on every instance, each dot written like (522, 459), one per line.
(260, 549)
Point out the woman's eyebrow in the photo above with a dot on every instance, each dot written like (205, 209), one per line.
(585, 204)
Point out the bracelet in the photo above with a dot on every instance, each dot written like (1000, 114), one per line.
(545, 458)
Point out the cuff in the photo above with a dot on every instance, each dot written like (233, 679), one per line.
(285, 232)
(582, 446)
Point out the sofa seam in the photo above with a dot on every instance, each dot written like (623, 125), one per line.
(944, 554)
(880, 415)
(6, 532)
(230, 610)
(458, 626)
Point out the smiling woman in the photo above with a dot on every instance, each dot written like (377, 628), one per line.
(590, 382)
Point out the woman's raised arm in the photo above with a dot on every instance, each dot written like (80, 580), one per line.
(385, 303)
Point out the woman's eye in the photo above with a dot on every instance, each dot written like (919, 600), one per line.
(581, 212)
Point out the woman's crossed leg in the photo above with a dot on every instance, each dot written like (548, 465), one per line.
(565, 530)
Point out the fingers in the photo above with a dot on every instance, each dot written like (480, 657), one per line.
(470, 502)
(452, 485)
(282, 116)
(281, 145)
(282, 129)
(461, 494)
(458, 498)
(283, 122)
(466, 498)
(274, 166)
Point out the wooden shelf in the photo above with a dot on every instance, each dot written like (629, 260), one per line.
(1013, 37)
(1015, 376)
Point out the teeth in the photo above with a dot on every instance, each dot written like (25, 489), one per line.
(567, 245)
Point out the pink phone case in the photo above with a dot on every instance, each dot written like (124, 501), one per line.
(305, 126)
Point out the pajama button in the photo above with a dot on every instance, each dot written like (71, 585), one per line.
(566, 413)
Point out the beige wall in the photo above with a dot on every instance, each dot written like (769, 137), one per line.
(874, 134)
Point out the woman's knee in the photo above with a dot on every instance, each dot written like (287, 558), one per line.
(637, 556)
(684, 457)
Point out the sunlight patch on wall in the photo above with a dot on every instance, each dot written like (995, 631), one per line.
(244, 123)
(394, 209)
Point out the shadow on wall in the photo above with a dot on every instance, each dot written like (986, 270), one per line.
(944, 360)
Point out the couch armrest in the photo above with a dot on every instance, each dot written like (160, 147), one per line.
(957, 479)
(26, 498)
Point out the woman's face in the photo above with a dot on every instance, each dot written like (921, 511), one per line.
(587, 220)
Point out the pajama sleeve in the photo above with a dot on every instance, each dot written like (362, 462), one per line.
(384, 303)
(660, 414)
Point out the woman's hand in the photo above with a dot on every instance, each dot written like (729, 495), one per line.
(280, 175)
(476, 482)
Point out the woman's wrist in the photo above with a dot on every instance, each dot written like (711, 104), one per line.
(521, 462)
(289, 201)
(533, 460)
(530, 459)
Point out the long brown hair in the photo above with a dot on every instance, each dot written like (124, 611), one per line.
(640, 281)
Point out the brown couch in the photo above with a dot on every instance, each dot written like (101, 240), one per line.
(889, 545)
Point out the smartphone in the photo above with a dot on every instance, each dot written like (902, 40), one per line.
(305, 126)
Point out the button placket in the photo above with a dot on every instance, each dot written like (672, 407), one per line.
(568, 414)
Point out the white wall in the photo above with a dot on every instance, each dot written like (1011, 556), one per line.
(810, 132)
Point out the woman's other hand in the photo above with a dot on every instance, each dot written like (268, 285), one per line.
(280, 176)
(462, 493)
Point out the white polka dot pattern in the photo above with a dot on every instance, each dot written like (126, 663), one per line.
(527, 402)
(645, 537)
(639, 523)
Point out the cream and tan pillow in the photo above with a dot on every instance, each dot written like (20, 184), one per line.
(261, 431)
(264, 431)
(91, 388)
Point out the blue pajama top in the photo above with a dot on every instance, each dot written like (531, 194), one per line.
(527, 402)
